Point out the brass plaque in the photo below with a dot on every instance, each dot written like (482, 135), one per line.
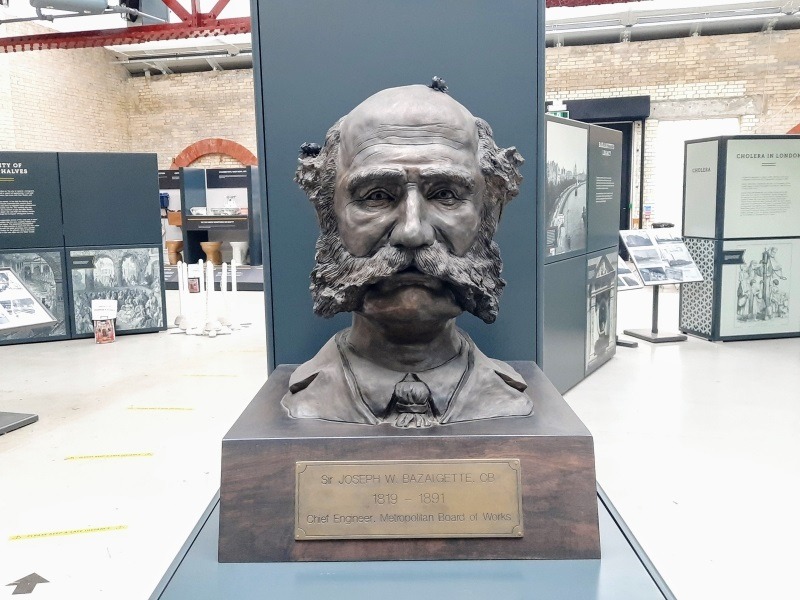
(459, 498)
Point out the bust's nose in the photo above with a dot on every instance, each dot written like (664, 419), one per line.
(412, 228)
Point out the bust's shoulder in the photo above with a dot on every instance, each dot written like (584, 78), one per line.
(319, 389)
(493, 389)
(327, 359)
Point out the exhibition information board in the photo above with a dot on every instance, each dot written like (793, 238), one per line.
(742, 226)
(30, 200)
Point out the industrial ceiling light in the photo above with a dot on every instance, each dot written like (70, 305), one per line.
(85, 7)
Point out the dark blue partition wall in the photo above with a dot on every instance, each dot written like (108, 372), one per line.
(107, 197)
(316, 59)
(584, 170)
(565, 323)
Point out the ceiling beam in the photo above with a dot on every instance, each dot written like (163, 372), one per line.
(193, 24)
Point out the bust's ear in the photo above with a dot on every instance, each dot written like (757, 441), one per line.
(307, 174)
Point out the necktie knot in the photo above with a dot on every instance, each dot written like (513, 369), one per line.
(411, 403)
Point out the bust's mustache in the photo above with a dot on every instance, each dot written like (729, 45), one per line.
(340, 280)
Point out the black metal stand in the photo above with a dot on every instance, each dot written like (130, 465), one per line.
(12, 421)
(653, 335)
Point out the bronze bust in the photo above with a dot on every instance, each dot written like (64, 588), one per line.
(408, 189)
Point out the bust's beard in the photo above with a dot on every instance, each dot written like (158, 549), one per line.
(340, 280)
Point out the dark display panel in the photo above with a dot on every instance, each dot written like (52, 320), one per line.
(107, 198)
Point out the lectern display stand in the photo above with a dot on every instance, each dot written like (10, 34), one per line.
(661, 258)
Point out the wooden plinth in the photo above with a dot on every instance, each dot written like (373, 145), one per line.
(257, 503)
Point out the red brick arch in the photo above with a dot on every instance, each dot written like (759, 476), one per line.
(213, 146)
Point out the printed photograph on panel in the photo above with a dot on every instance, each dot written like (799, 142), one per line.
(646, 257)
(762, 291)
(31, 296)
(636, 238)
(601, 313)
(653, 276)
(565, 188)
(131, 276)
(627, 278)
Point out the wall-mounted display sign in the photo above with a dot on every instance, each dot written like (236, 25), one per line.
(30, 200)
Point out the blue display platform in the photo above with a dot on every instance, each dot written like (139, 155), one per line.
(624, 573)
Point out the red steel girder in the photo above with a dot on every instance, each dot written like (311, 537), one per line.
(218, 8)
(194, 24)
(130, 35)
(178, 9)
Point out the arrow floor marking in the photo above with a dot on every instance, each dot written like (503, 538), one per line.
(26, 584)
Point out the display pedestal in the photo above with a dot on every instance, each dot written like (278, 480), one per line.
(653, 335)
(624, 573)
(12, 421)
(556, 466)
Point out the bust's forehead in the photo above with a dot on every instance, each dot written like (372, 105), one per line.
(412, 115)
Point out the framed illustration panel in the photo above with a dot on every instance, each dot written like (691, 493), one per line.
(567, 156)
(760, 288)
(32, 296)
(601, 309)
(133, 276)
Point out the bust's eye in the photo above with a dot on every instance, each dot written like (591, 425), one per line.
(377, 197)
(444, 195)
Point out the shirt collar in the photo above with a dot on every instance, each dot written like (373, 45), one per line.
(375, 384)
